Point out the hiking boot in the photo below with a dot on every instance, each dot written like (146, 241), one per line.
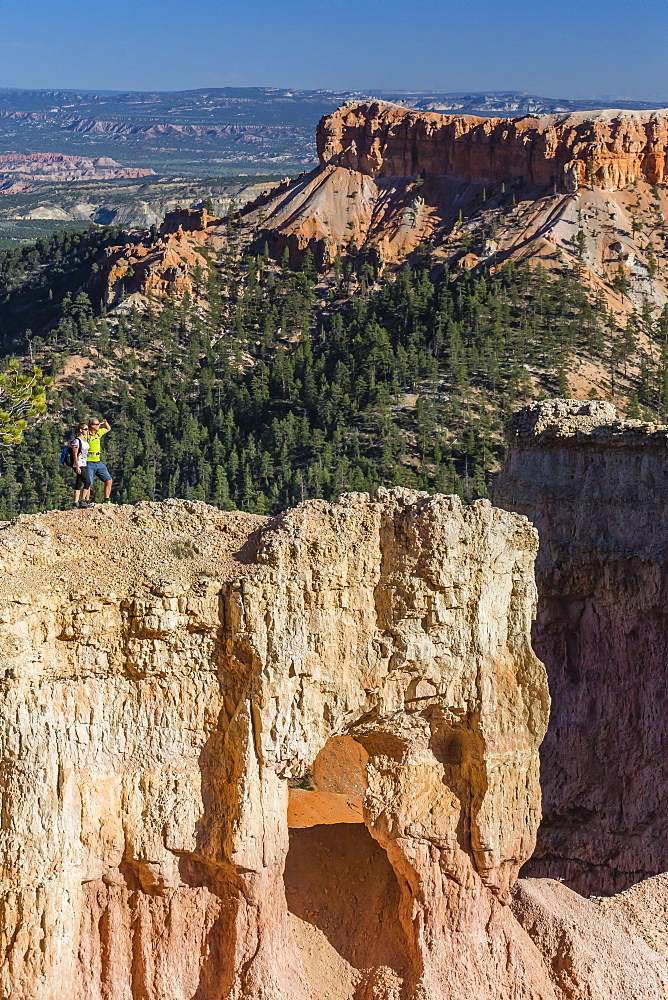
(83, 504)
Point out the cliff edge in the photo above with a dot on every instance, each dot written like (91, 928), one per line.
(596, 487)
(161, 698)
(606, 149)
(288, 759)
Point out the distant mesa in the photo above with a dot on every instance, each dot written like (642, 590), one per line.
(391, 178)
(581, 189)
(21, 173)
(606, 149)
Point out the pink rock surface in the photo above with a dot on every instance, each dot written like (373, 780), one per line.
(596, 489)
(592, 953)
(152, 733)
(20, 171)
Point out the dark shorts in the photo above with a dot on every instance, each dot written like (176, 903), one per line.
(84, 478)
(98, 470)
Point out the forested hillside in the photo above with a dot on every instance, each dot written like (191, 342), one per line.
(272, 386)
(38, 281)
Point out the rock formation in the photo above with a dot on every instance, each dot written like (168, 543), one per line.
(166, 265)
(156, 711)
(596, 487)
(592, 951)
(23, 172)
(391, 179)
(288, 759)
(607, 149)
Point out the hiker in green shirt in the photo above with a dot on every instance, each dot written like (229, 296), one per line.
(96, 467)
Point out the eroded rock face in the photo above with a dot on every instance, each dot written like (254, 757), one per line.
(391, 179)
(592, 952)
(24, 172)
(169, 264)
(596, 487)
(155, 715)
(607, 149)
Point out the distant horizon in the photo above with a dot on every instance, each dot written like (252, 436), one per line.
(563, 47)
(117, 92)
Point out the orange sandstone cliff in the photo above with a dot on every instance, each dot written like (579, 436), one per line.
(391, 179)
(606, 149)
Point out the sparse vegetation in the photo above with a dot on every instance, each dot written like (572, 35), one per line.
(22, 396)
(305, 782)
(183, 548)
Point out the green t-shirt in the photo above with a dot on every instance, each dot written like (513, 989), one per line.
(94, 442)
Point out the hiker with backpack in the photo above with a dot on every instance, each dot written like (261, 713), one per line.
(96, 467)
(76, 456)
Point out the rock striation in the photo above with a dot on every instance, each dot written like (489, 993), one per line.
(391, 178)
(596, 487)
(606, 149)
(24, 172)
(155, 716)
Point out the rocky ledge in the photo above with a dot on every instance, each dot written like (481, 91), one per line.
(156, 715)
(288, 759)
(593, 423)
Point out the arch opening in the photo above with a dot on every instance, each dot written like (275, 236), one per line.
(342, 894)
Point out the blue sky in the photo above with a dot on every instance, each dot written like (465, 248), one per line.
(561, 48)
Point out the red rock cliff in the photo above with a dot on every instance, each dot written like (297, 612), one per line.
(606, 149)
(391, 179)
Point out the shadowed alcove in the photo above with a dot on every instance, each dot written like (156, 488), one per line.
(341, 890)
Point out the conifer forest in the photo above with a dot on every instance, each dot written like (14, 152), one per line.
(272, 385)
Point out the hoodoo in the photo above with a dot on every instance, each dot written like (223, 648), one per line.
(166, 265)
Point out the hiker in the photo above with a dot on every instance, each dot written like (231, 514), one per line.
(79, 446)
(96, 467)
